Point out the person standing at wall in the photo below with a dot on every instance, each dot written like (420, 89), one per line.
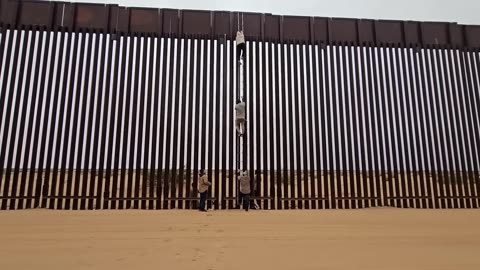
(203, 186)
(244, 185)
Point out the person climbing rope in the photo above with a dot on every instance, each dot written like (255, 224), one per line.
(241, 47)
(240, 117)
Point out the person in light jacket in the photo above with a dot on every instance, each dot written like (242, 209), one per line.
(203, 185)
(244, 185)
(240, 117)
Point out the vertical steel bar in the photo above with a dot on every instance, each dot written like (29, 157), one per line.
(324, 82)
(217, 127)
(317, 97)
(364, 130)
(462, 122)
(226, 120)
(121, 129)
(297, 110)
(454, 126)
(332, 137)
(434, 151)
(125, 181)
(89, 171)
(83, 170)
(416, 116)
(31, 134)
(151, 128)
(338, 134)
(264, 117)
(25, 126)
(46, 149)
(182, 122)
(174, 126)
(302, 100)
(110, 108)
(297, 91)
(5, 43)
(377, 126)
(346, 120)
(278, 133)
(17, 113)
(449, 170)
(291, 129)
(352, 130)
(35, 179)
(397, 120)
(463, 107)
(231, 137)
(196, 131)
(407, 124)
(9, 67)
(387, 125)
(428, 152)
(5, 155)
(68, 156)
(141, 175)
(474, 101)
(271, 128)
(441, 179)
(344, 132)
(203, 126)
(250, 139)
(63, 129)
(360, 109)
(191, 107)
(162, 188)
(469, 98)
(384, 89)
(475, 55)
(284, 95)
(168, 127)
(155, 55)
(102, 100)
(133, 168)
(211, 118)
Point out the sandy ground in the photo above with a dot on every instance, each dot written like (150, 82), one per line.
(354, 239)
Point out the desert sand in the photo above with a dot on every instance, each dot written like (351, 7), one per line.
(383, 238)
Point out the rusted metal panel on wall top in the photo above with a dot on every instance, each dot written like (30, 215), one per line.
(434, 33)
(296, 28)
(473, 36)
(222, 23)
(36, 13)
(272, 27)
(196, 22)
(411, 33)
(389, 32)
(145, 20)
(113, 18)
(343, 30)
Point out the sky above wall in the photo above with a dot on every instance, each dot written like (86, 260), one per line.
(461, 11)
